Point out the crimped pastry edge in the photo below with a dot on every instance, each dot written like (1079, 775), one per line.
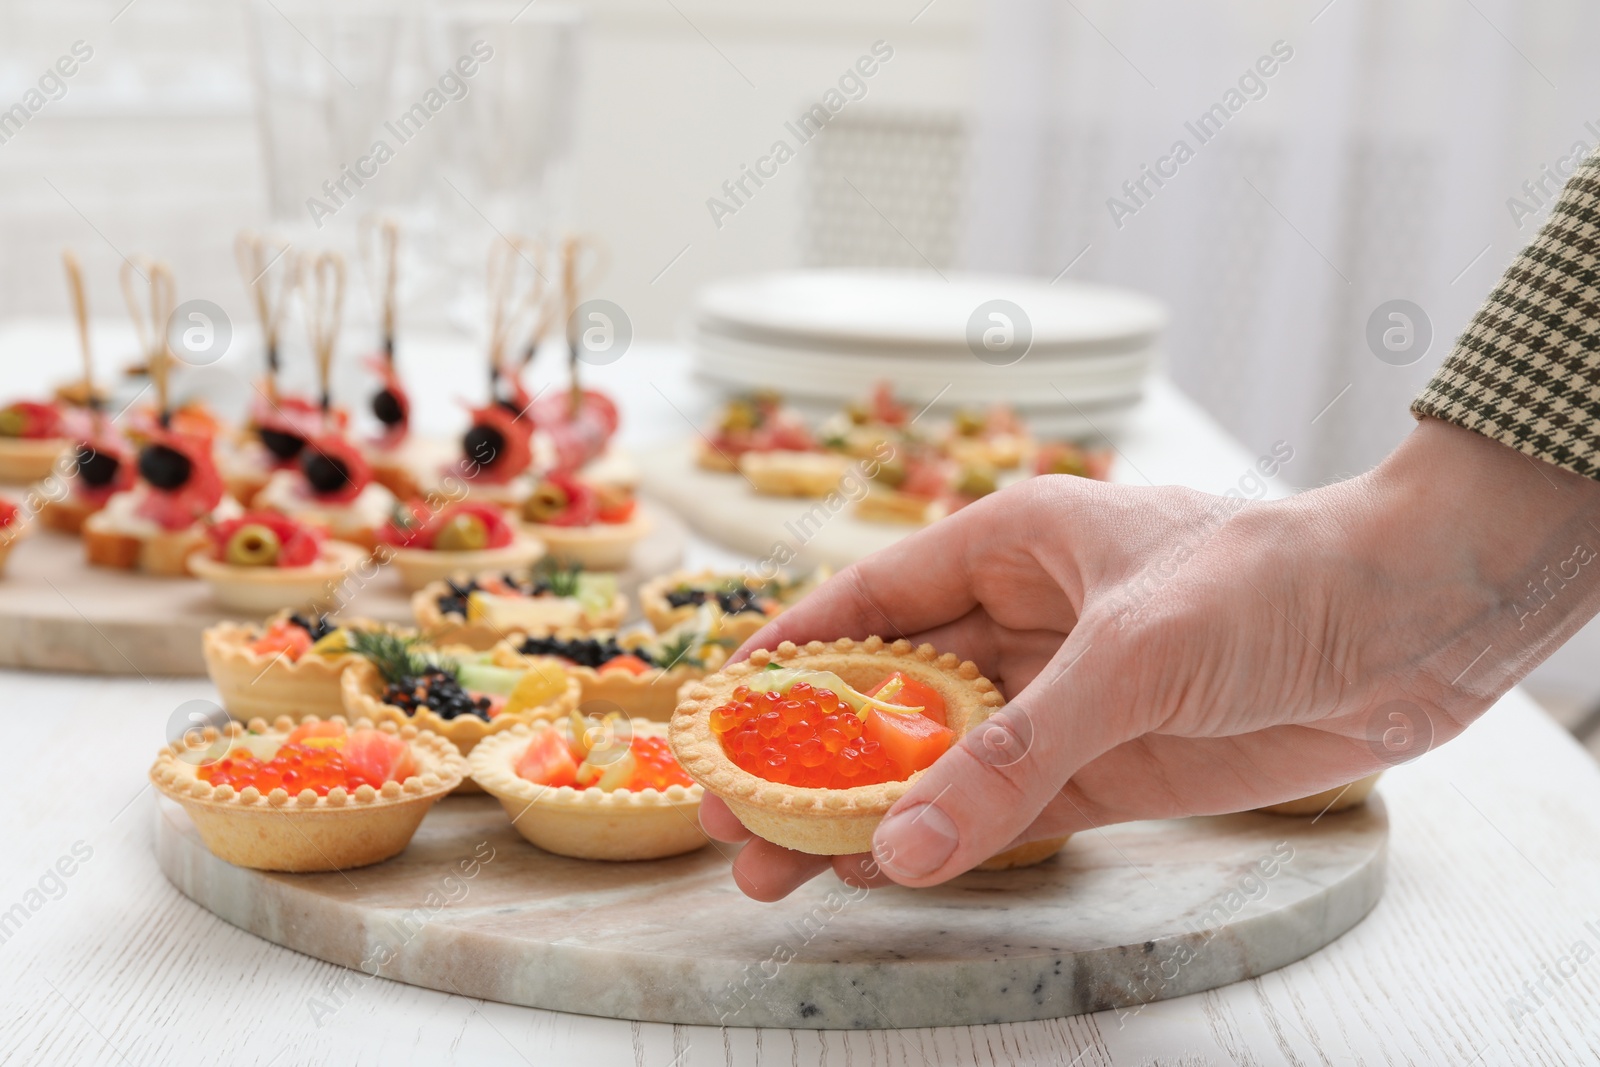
(439, 628)
(492, 766)
(819, 821)
(361, 687)
(662, 616)
(443, 769)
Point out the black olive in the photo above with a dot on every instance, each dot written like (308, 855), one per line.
(96, 468)
(325, 473)
(386, 406)
(164, 467)
(281, 444)
(483, 443)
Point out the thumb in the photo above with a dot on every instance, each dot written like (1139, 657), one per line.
(992, 784)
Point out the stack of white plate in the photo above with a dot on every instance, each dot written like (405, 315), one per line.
(824, 337)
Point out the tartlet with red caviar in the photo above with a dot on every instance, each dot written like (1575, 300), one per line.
(264, 561)
(590, 525)
(287, 666)
(427, 545)
(322, 795)
(810, 747)
(598, 790)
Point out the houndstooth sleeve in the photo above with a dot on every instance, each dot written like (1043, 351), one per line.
(1526, 371)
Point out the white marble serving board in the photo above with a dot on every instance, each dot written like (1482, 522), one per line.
(1121, 917)
(57, 613)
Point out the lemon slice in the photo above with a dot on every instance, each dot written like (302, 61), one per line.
(336, 643)
(539, 685)
(782, 679)
(613, 775)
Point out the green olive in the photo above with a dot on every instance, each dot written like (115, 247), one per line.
(1067, 463)
(858, 414)
(462, 533)
(741, 415)
(976, 481)
(548, 501)
(891, 473)
(11, 423)
(253, 546)
(969, 423)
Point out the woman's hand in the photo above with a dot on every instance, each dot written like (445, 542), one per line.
(1168, 653)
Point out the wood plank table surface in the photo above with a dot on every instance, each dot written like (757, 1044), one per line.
(1485, 948)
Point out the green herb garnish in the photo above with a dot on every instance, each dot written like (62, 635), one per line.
(395, 656)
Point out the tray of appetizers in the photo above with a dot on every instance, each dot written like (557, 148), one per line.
(124, 534)
(501, 823)
(764, 480)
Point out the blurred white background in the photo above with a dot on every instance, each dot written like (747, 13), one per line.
(1379, 161)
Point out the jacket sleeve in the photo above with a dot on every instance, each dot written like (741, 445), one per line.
(1526, 371)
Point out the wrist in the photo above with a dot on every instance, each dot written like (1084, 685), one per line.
(1502, 549)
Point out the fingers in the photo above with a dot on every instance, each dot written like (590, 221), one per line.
(767, 872)
(992, 785)
(916, 584)
(719, 823)
(764, 871)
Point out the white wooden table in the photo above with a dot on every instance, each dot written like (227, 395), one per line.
(1494, 858)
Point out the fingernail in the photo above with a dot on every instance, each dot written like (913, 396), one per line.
(916, 842)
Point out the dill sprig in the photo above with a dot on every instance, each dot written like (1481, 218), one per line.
(395, 656)
(563, 580)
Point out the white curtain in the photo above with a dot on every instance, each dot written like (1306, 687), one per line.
(1376, 163)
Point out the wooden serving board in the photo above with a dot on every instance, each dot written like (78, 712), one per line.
(59, 614)
(1122, 916)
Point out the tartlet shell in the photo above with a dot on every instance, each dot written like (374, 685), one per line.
(419, 566)
(823, 822)
(279, 832)
(597, 547)
(253, 685)
(441, 629)
(663, 616)
(588, 824)
(1329, 801)
(652, 695)
(361, 691)
(1027, 855)
(266, 589)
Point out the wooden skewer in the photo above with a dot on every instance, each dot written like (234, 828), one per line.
(574, 279)
(250, 250)
(324, 303)
(507, 315)
(542, 302)
(161, 292)
(80, 309)
(387, 271)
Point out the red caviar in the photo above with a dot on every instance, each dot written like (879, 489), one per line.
(655, 766)
(804, 737)
(292, 768)
(319, 757)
